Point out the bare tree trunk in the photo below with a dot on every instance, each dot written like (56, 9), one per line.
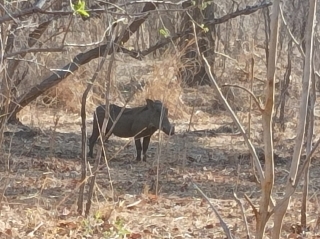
(5, 84)
(279, 213)
(268, 182)
(310, 118)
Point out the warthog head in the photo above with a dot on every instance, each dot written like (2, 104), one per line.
(159, 115)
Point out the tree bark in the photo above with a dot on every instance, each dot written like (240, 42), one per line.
(310, 119)
(279, 214)
(268, 182)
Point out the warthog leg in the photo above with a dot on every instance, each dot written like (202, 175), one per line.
(146, 141)
(138, 148)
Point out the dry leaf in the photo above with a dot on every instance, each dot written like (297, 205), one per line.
(135, 235)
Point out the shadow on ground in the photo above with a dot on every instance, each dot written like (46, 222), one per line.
(47, 164)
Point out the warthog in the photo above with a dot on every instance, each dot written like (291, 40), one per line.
(139, 122)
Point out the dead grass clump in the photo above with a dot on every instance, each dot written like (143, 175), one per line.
(66, 95)
(164, 85)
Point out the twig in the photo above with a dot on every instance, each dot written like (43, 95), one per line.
(192, 111)
(299, 175)
(243, 214)
(255, 211)
(236, 120)
(223, 224)
(4, 189)
(84, 162)
(57, 49)
(53, 135)
(248, 91)
(35, 229)
(105, 121)
(290, 33)
(67, 30)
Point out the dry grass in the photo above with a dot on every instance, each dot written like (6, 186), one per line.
(164, 85)
(66, 96)
(161, 83)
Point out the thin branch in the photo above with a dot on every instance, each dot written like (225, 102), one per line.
(223, 224)
(293, 187)
(238, 65)
(254, 209)
(58, 49)
(236, 120)
(246, 11)
(9, 14)
(248, 91)
(67, 30)
(290, 33)
(243, 214)
(33, 10)
(99, 41)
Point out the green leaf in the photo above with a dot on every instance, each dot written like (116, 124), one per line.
(164, 32)
(80, 8)
(204, 28)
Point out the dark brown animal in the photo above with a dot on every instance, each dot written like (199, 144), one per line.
(139, 122)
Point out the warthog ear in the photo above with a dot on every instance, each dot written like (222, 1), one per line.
(149, 103)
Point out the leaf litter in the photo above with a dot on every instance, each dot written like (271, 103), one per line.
(40, 190)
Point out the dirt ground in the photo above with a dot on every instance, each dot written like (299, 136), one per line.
(39, 193)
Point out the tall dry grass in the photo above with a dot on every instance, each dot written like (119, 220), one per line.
(160, 80)
(164, 84)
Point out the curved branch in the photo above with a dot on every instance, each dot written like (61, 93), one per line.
(248, 91)
(235, 120)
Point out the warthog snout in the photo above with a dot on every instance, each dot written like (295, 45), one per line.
(172, 131)
(168, 130)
